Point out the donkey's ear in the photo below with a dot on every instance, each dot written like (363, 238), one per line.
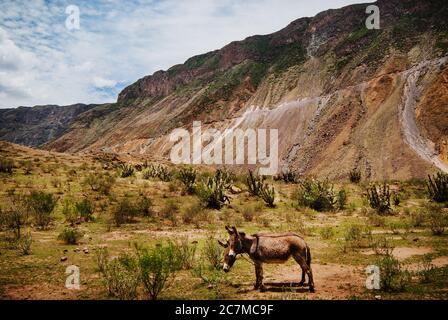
(222, 244)
(242, 234)
(230, 231)
(235, 231)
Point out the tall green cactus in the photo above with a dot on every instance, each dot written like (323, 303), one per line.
(379, 198)
(268, 195)
(254, 183)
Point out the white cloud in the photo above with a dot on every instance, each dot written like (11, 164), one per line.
(42, 62)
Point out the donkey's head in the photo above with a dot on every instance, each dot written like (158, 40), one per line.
(233, 247)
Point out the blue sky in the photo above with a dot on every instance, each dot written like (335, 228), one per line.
(118, 42)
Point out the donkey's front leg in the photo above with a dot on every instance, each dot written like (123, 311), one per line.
(259, 275)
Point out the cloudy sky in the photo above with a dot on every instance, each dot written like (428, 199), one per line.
(42, 61)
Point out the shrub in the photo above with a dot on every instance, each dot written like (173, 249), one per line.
(268, 195)
(157, 171)
(393, 277)
(193, 214)
(85, 209)
(317, 195)
(15, 217)
(157, 267)
(287, 177)
(396, 198)
(70, 235)
(186, 253)
(379, 198)
(68, 210)
(342, 199)
(169, 211)
(437, 219)
(248, 212)
(212, 253)
(125, 170)
(27, 167)
(416, 218)
(145, 207)
(6, 165)
(42, 205)
(212, 193)
(355, 175)
(121, 277)
(327, 233)
(254, 183)
(102, 183)
(381, 246)
(124, 212)
(438, 187)
(24, 243)
(188, 177)
(102, 258)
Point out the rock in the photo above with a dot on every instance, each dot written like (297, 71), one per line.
(65, 251)
(85, 250)
(235, 190)
(378, 297)
(63, 259)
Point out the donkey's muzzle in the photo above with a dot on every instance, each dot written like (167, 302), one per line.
(225, 267)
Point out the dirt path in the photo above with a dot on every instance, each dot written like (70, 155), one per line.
(332, 281)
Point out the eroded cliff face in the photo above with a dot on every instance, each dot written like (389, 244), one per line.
(340, 95)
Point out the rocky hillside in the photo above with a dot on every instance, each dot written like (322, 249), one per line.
(342, 96)
(40, 124)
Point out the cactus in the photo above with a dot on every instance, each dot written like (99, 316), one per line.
(125, 170)
(379, 198)
(254, 183)
(438, 187)
(355, 175)
(212, 193)
(268, 195)
(188, 177)
(157, 171)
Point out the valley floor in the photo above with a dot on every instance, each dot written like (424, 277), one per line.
(343, 242)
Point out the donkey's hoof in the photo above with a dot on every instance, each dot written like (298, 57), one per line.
(301, 284)
(262, 288)
(312, 290)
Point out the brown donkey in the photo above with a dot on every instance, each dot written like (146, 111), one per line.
(268, 248)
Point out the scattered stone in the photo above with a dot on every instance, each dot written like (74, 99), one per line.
(85, 250)
(65, 251)
(415, 240)
(77, 250)
(378, 297)
(235, 190)
(63, 259)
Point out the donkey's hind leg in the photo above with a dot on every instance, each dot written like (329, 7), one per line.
(305, 269)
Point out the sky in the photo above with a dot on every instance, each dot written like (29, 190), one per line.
(46, 59)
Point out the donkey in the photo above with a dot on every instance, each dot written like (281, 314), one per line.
(268, 248)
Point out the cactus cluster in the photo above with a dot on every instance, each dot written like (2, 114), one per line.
(125, 170)
(355, 175)
(212, 193)
(379, 198)
(188, 177)
(438, 187)
(268, 195)
(157, 171)
(254, 183)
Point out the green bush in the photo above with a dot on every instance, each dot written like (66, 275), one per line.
(42, 205)
(327, 233)
(68, 210)
(145, 207)
(15, 217)
(437, 219)
(317, 195)
(24, 243)
(186, 252)
(392, 275)
(188, 177)
(158, 267)
(438, 187)
(85, 209)
(6, 165)
(70, 235)
(124, 212)
(157, 171)
(193, 214)
(169, 211)
(342, 199)
(102, 183)
(121, 276)
(379, 198)
(212, 252)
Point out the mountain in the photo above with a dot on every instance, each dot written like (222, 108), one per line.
(341, 95)
(34, 126)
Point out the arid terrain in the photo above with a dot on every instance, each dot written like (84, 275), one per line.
(343, 241)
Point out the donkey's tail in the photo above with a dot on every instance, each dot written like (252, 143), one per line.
(308, 256)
